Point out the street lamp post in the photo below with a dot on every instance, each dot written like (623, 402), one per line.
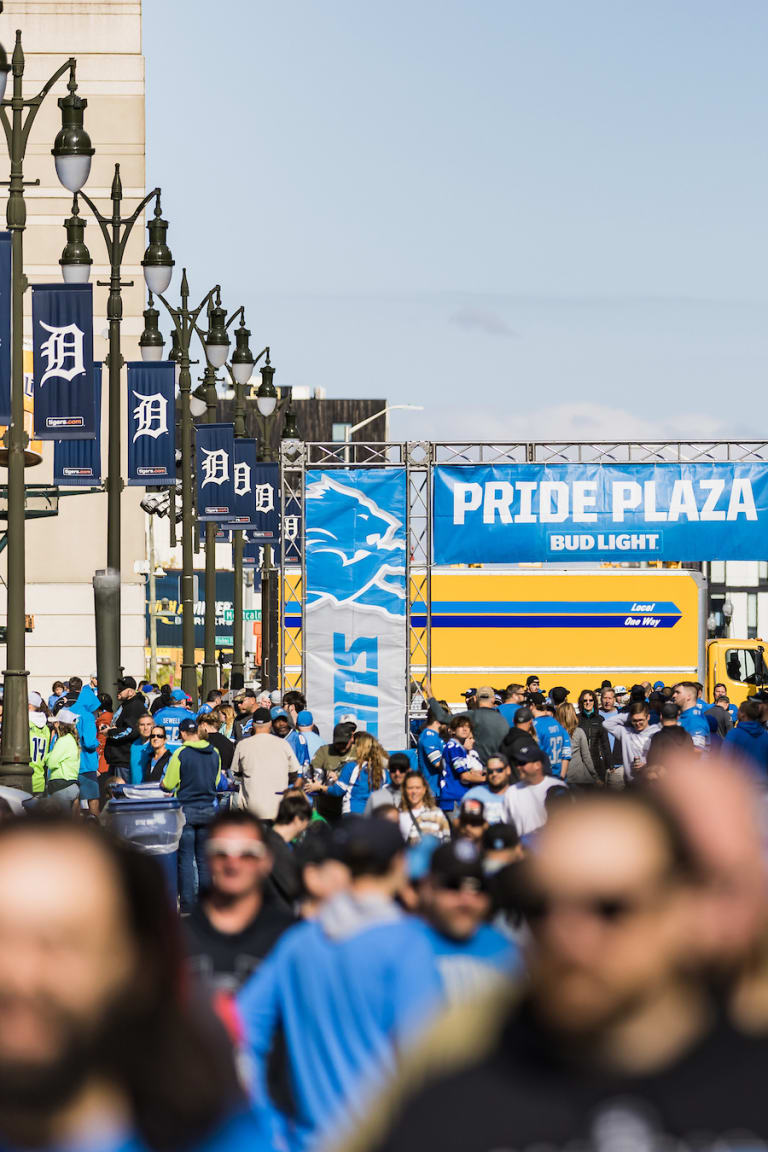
(76, 267)
(72, 154)
(377, 415)
(241, 369)
(216, 346)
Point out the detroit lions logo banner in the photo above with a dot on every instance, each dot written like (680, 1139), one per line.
(355, 633)
(151, 423)
(62, 346)
(78, 462)
(214, 464)
(5, 328)
(502, 513)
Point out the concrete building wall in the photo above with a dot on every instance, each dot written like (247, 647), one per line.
(105, 36)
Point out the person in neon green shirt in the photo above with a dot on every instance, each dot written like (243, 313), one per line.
(39, 742)
(62, 763)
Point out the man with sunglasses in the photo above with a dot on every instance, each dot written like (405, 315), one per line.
(498, 772)
(454, 902)
(234, 926)
(614, 1043)
(392, 791)
(525, 802)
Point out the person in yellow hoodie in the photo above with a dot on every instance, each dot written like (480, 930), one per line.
(62, 763)
(39, 742)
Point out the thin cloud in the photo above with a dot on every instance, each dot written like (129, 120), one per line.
(482, 320)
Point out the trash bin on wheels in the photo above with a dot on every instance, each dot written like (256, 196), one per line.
(152, 821)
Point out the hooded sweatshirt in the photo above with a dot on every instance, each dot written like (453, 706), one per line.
(39, 743)
(85, 708)
(338, 991)
(63, 759)
(750, 741)
(194, 773)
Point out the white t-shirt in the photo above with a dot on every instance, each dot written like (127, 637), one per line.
(524, 804)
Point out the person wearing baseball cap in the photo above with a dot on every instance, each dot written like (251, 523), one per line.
(193, 775)
(246, 703)
(342, 991)
(304, 740)
(471, 821)
(524, 805)
(454, 901)
(265, 765)
(488, 725)
(558, 695)
(62, 763)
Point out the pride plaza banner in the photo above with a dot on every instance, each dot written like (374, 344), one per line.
(509, 513)
(355, 626)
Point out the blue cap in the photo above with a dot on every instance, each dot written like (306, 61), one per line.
(275, 712)
(658, 685)
(188, 725)
(179, 694)
(305, 719)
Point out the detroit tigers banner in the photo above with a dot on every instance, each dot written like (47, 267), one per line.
(151, 423)
(509, 513)
(257, 495)
(355, 634)
(5, 328)
(62, 344)
(78, 462)
(214, 465)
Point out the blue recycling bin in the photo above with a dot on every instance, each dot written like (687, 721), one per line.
(152, 821)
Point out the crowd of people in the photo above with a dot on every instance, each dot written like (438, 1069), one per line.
(541, 924)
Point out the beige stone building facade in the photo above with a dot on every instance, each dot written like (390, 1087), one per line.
(63, 552)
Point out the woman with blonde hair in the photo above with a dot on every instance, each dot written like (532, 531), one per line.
(419, 813)
(362, 776)
(581, 771)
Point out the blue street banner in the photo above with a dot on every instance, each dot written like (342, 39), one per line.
(257, 495)
(5, 328)
(510, 513)
(62, 346)
(151, 423)
(214, 465)
(355, 629)
(292, 531)
(78, 462)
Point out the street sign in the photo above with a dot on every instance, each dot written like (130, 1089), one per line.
(248, 614)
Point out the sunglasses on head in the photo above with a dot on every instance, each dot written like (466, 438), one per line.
(235, 849)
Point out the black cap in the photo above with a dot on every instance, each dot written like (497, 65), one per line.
(367, 846)
(456, 862)
(558, 695)
(606, 684)
(527, 753)
(188, 725)
(523, 715)
(537, 699)
(472, 811)
(343, 731)
(126, 682)
(669, 710)
(249, 692)
(262, 716)
(530, 680)
(497, 837)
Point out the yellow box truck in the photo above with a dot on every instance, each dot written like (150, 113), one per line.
(575, 628)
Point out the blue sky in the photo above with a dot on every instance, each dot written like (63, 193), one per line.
(534, 217)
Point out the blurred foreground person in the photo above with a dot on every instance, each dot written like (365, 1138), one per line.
(614, 1043)
(327, 1011)
(100, 1047)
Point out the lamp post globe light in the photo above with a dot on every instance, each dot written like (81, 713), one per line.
(116, 230)
(72, 152)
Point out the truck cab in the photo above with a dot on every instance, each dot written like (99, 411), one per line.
(739, 664)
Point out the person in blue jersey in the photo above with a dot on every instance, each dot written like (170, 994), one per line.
(454, 901)
(360, 777)
(101, 1045)
(551, 736)
(685, 695)
(430, 752)
(701, 706)
(721, 693)
(462, 767)
(499, 780)
(748, 741)
(140, 749)
(172, 715)
(212, 700)
(342, 993)
(304, 740)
